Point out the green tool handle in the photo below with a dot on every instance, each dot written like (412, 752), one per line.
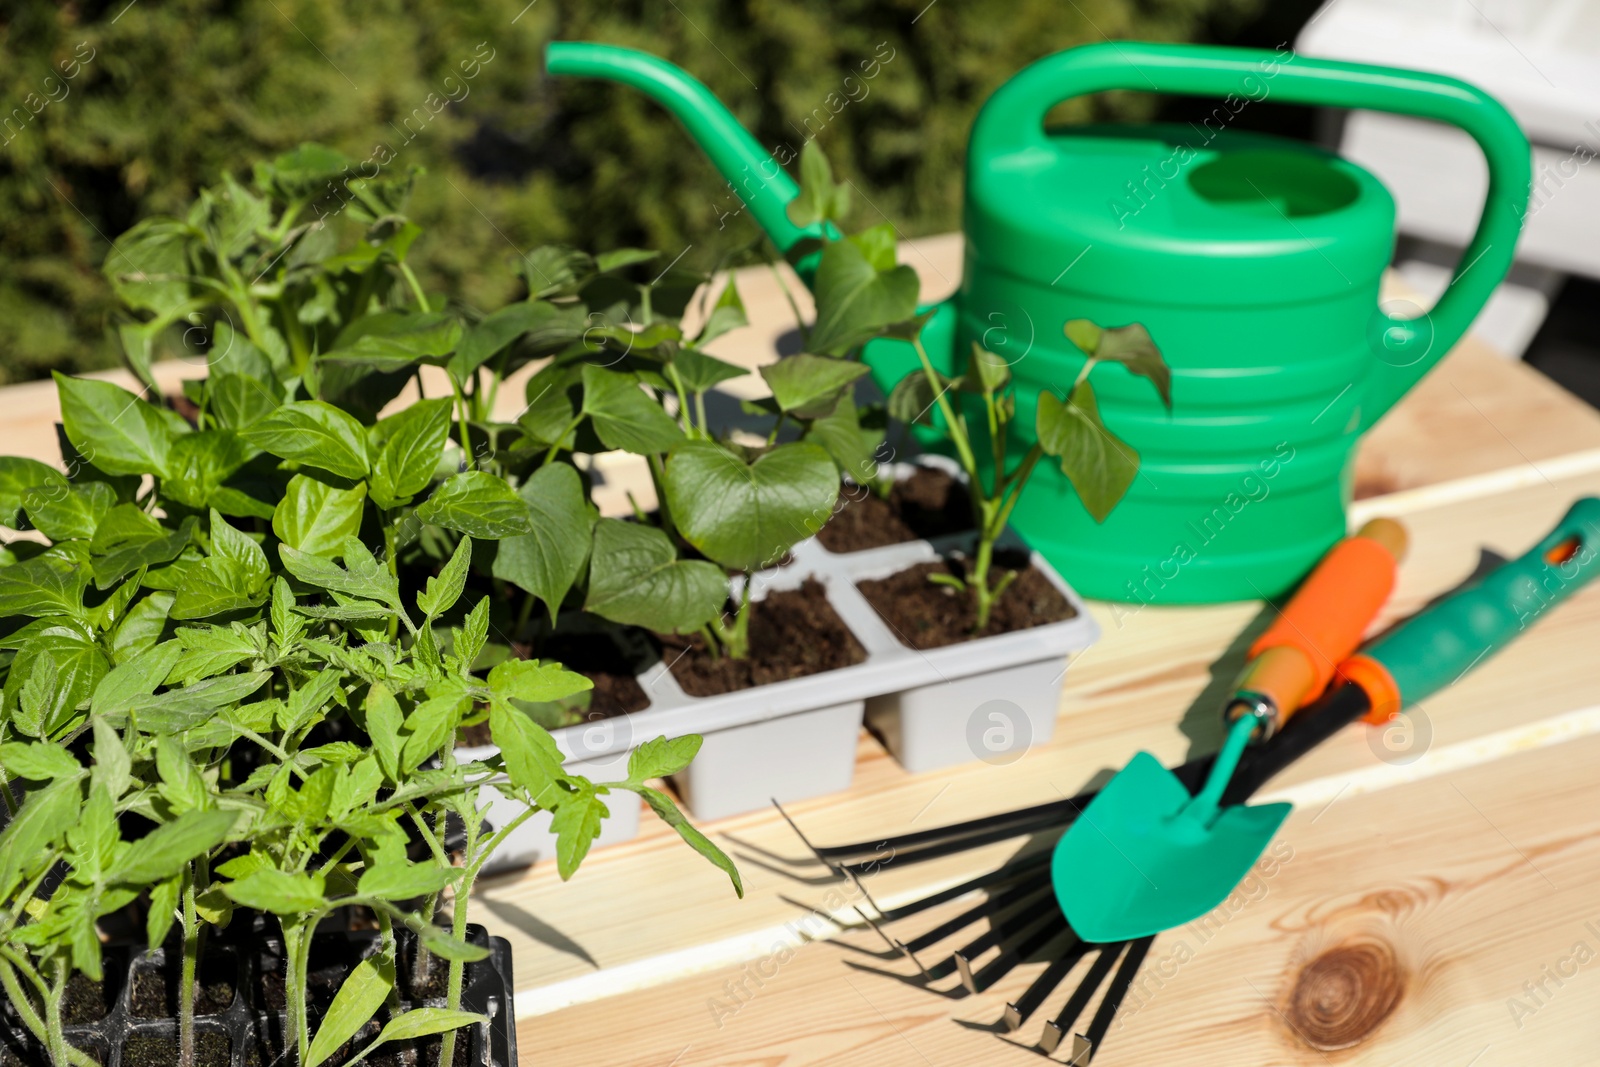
(1442, 642)
(1011, 126)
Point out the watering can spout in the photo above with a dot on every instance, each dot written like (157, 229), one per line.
(758, 179)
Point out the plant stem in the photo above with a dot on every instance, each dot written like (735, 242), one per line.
(55, 1036)
(461, 421)
(955, 428)
(524, 613)
(191, 959)
(458, 928)
(799, 320)
(416, 286)
(294, 932)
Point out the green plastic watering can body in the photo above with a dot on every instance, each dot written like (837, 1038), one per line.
(1253, 261)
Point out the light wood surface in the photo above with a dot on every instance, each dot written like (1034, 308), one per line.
(1473, 867)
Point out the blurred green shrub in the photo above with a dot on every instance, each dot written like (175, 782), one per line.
(112, 111)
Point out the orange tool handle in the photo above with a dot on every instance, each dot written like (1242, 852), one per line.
(1323, 623)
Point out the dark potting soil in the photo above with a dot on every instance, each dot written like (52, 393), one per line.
(155, 990)
(929, 503)
(925, 615)
(85, 1001)
(156, 1050)
(793, 633)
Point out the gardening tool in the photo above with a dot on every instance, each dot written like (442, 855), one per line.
(1253, 261)
(1429, 651)
(1162, 856)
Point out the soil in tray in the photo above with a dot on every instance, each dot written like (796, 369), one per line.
(157, 1050)
(793, 633)
(929, 503)
(155, 989)
(926, 615)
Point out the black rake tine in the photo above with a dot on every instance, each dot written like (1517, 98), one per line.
(1018, 1011)
(804, 839)
(962, 844)
(918, 839)
(999, 876)
(1028, 942)
(1115, 992)
(992, 906)
(1056, 1029)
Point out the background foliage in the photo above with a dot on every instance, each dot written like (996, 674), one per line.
(180, 91)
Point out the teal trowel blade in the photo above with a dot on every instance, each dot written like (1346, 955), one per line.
(1134, 864)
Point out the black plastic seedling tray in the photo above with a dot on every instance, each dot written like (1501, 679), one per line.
(242, 1027)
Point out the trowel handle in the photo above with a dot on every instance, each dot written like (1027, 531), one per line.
(1010, 130)
(1321, 626)
(1444, 641)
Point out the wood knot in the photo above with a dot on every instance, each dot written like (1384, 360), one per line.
(1344, 994)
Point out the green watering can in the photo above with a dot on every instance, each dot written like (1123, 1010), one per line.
(1253, 261)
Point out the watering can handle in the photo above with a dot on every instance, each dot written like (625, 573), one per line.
(1012, 124)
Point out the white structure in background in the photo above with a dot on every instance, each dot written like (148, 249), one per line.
(1541, 58)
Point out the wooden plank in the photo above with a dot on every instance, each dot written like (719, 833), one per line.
(1451, 921)
(1153, 682)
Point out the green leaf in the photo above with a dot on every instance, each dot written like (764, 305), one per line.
(112, 428)
(397, 338)
(141, 628)
(177, 710)
(699, 372)
(316, 434)
(24, 844)
(407, 447)
(421, 1022)
(363, 991)
(660, 757)
(443, 591)
(820, 199)
(808, 386)
(147, 265)
(548, 323)
(576, 823)
(623, 416)
(51, 677)
(17, 476)
(547, 561)
(986, 372)
(384, 720)
(853, 446)
(668, 813)
(361, 576)
(746, 516)
(533, 762)
(111, 771)
(530, 680)
(316, 517)
(234, 577)
(163, 910)
(404, 881)
(1084, 334)
(637, 579)
(200, 462)
(856, 300)
(430, 726)
(913, 398)
(127, 539)
(136, 678)
(211, 650)
(64, 513)
(1132, 347)
(476, 503)
(47, 584)
(162, 852)
(549, 411)
(38, 761)
(239, 402)
(727, 314)
(280, 892)
(1099, 465)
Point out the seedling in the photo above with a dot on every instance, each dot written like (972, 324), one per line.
(862, 293)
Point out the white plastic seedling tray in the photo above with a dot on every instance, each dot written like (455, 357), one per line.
(987, 699)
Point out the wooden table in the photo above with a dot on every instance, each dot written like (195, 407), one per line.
(1448, 891)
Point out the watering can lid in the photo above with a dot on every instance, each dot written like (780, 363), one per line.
(1182, 214)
